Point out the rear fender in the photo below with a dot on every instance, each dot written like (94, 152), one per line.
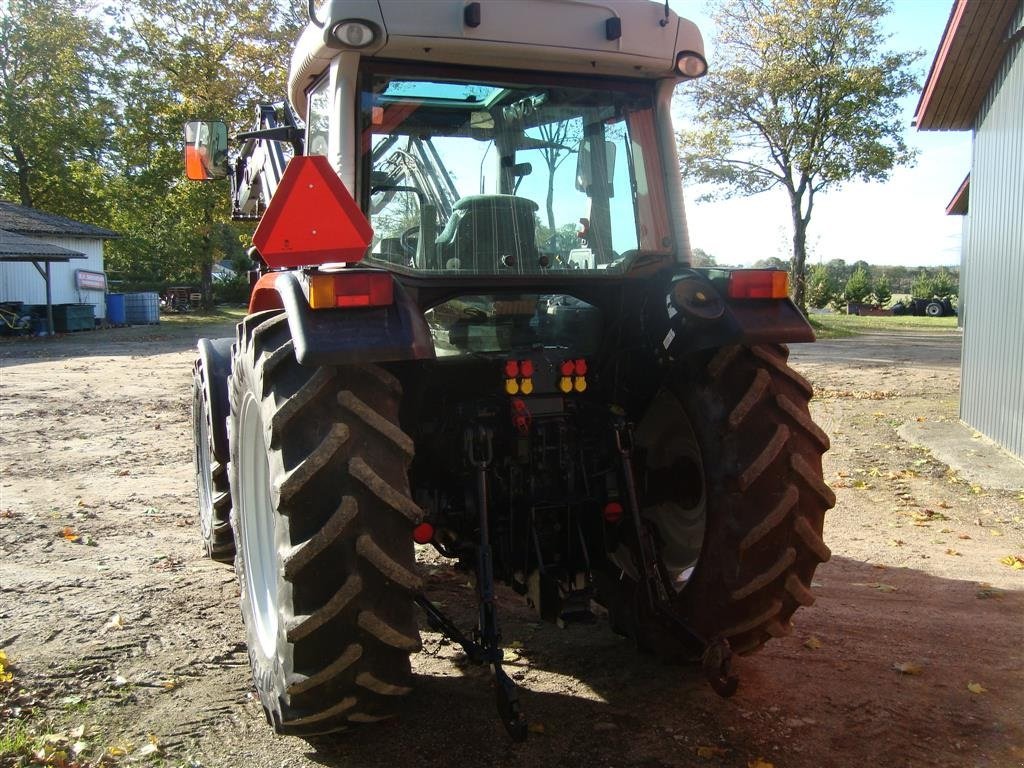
(214, 356)
(346, 335)
(742, 321)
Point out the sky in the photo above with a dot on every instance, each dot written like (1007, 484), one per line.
(901, 221)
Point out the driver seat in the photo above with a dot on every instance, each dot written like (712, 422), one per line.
(490, 233)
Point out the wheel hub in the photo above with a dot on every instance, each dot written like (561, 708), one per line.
(257, 527)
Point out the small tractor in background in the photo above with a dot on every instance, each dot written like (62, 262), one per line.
(477, 328)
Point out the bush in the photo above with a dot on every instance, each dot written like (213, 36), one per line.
(233, 291)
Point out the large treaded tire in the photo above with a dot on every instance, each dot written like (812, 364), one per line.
(342, 521)
(765, 502)
(214, 495)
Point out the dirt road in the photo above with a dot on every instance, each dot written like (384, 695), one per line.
(114, 624)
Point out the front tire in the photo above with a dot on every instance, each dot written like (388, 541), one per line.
(729, 475)
(214, 495)
(323, 520)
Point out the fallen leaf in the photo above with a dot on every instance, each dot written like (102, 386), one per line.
(536, 728)
(813, 643)
(995, 532)
(988, 593)
(759, 763)
(963, 536)
(68, 534)
(976, 688)
(170, 685)
(78, 747)
(710, 753)
(896, 542)
(115, 622)
(147, 749)
(876, 585)
(908, 668)
(953, 552)
(77, 733)
(1013, 561)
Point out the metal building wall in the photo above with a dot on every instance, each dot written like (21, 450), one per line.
(20, 282)
(992, 390)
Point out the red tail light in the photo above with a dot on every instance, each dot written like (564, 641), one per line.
(758, 284)
(351, 289)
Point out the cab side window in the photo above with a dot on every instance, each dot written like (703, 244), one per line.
(319, 118)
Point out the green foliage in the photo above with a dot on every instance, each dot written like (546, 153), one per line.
(91, 114)
(802, 96)
(858, 287)
(883, 291)
(943, 285)
(55, 107)
(822, 287)
(922, 287)
(702, 258)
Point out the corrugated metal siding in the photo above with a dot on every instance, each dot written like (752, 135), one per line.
(992, 393)
(21, 282)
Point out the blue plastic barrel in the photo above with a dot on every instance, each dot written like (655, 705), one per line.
(115, 309)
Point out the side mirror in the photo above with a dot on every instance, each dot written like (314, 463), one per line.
(595, 162)
(206, 150)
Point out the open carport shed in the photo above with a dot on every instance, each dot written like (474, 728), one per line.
(976, 83)
(15, 247)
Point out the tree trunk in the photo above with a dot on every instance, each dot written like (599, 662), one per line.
(799, 271)
(24, 191)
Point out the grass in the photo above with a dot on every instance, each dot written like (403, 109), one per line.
(15, 740)
(221, 314)
(836, 326)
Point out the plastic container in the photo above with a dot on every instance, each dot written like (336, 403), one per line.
(142, 308)
(115, 309)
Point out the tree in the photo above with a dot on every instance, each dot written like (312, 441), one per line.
(802, 97)
(883, 291)
(858, 287)
(822, 287)
(182, 60)
(923, 286)
(943, 284)
(54, 107)
(702, 258)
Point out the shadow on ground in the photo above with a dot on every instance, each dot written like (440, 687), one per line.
(841, 704)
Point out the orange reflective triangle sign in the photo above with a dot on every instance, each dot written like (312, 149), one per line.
(312, 219)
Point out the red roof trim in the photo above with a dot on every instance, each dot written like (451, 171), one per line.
(956, 16)
(958, 205)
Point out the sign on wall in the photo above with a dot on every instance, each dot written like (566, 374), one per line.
(85, 280)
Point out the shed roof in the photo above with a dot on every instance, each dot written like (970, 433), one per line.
(976, 39)
(15, 247)
(29, 221)
(959, 204)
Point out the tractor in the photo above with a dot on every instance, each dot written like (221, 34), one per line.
(476, 327)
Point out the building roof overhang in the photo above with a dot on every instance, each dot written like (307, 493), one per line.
(958, 205)
(973, 46)
(15, 247)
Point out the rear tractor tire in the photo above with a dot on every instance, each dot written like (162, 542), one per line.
(323, 519)
(730, 480)
(211, 476)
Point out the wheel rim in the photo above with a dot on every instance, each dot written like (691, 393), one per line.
(674, 489)
(257, 527)
(204, 479)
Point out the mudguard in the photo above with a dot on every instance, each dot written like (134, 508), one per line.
(215, 359)
(348, 335)
(719, 321)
